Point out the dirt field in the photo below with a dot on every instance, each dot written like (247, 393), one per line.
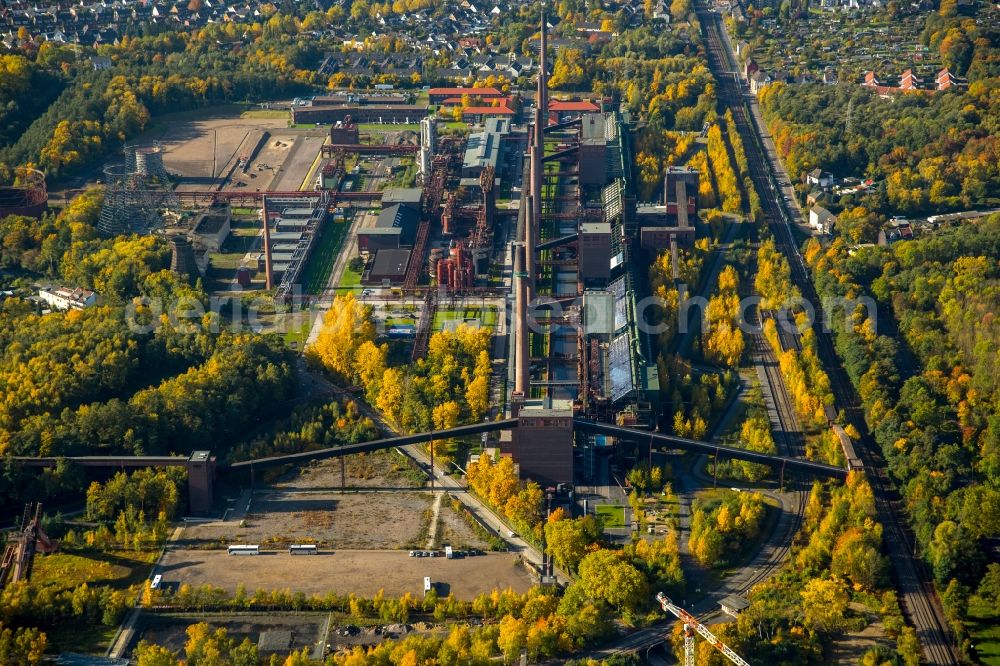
(199, 145)
(363, 572)
(194, 146)
(380, 469)
(387, 519)
(454, 531)
(298, 162)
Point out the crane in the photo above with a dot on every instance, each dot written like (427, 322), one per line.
(689, 622)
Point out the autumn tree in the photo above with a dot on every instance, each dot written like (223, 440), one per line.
(824, 604)
(346, 326)
(567, 540)
(568, 71)
(725, 343)
(606, 576)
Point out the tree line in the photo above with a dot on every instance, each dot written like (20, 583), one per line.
(925, 373)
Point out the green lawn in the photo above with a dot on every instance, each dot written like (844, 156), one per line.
(266, 113)
(324, 255)
(984, 630)
(81, 638)
(349, 280)
(400, 321)
(296, 337)
(487, 318)
(380, 127)
(613, 515)
(67, 570)
(227, 261)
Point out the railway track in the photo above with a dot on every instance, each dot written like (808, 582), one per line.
(916, 592)
(788, 437)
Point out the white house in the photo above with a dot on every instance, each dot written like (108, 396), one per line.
(64, 298)
(821, 219)
(819, 177)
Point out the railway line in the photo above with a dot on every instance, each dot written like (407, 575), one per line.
(915, 589)
(788, 439)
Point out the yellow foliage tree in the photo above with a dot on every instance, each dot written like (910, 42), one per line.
(346, 326)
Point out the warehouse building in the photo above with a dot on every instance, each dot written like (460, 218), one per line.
(395, 227)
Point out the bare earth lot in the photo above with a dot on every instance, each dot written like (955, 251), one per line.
(200, 145)
(380, 469)
(363, 572)
(454, 531)
(193, 147)
(388, 519)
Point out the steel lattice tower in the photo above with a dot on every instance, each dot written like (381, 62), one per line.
(137, 193)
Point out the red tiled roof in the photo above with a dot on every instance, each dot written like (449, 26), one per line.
(488, 110)
(584, 105)
(458, 92)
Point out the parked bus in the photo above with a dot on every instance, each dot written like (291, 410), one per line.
(244, 550)
(302, 549)
(155, 585)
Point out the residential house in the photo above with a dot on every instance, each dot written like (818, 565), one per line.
(821, 219)
(820, 178)
(64, 298)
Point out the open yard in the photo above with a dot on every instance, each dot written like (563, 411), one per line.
(612, 515)
(372, 519)
(363, 572)
(324, 255)
(198, 145)
(201, 146)
(454, 531)
(70, 569)
(445, 318)
(984, 628)
(379, 469)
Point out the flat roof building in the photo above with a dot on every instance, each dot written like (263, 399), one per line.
(388, 267)
(394, 228)
(483, 148)
(406, 196)
(595, 253)
(542, 445)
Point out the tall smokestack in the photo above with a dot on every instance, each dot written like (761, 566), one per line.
(542, 97)
(268, 266)
(520, 322)
(535, 152)
(532, 220)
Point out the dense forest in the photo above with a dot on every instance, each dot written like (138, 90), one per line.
(924, 363)
(125, 376)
